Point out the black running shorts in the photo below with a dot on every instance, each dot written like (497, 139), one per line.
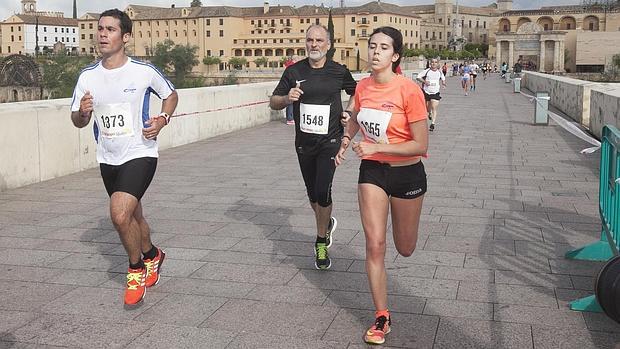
(404, 182)
(132, 177)
(428, 97)
(317, 166)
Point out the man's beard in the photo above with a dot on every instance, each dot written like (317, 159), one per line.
(317, 55)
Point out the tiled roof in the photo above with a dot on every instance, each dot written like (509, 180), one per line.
(142, 12)
(43, 20)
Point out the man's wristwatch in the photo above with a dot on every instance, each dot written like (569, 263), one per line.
(165, 116)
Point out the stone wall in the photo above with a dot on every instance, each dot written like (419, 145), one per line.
(574, 98)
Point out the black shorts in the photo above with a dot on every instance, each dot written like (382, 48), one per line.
(404, 182)
(474, 74)
(132, 177)
(316, 162)
(428, 97)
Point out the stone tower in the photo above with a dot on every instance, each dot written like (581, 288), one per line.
(504, 5)
(443, 8)
(29, 6)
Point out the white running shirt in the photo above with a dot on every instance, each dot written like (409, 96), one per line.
(121, 106)
(433, 77)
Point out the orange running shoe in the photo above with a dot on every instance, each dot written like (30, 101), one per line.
(153, 267)
(376, 333)
(135, 290)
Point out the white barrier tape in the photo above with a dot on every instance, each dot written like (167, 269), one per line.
(532, 98)
(573, 128)
(569, 126)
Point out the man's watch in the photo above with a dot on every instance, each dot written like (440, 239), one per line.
(165, 116)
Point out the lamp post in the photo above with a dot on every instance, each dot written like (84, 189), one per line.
(36, 36)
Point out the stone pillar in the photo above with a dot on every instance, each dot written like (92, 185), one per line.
(498, 53)
(511, 52)
(541, 65)
(556, 56)
(562, 67)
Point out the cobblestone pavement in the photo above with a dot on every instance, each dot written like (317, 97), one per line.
(506, 199)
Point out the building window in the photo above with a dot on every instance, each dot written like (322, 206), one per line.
(505, 27)
(208, 53)
(221, 21)
(91, 36)
(568, 26)
(221, 33)
(208, 21)
(90, 26)
(317, 21)
(440, 20)
(175, 22)
(470, 24)
(176, 34)
(352, 32)
(352, 19)
(45, 29)
(83, 36)
(221, 53)
(308, 20)
(208, 33)
(301, 21)
(427, 34)
(484, 24)
(12, 38)
(55, 30)
(477, 24)
(82, 26)
(440, 35)
(546, 26)
(374, 18)
(45, 38)
(194, 31)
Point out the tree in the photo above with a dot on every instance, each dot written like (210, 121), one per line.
(238, 62)
(60, 73)
(330, 29)
(209, 61)
(196, 3)
(261, 61)
(179, 59)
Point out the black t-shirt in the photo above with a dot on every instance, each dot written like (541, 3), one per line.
(321, 86)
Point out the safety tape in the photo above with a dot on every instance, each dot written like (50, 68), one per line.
(569, 126)
(220, 109)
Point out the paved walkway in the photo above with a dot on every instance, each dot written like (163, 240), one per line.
(506, 199)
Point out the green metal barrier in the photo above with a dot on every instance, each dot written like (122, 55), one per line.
(609, 209)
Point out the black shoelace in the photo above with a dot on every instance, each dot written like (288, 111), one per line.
(380, 322)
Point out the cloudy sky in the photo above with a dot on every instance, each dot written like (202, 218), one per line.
(9, 7)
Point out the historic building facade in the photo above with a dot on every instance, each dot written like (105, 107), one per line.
(272, 32)
(566, 32)
(23, 33)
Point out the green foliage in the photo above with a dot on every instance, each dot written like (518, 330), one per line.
(330, 29)
(196, 3)
(208, 60)
(231, 79)
(60, 73)
(179, 59)
(238, 62)
(615, 60)
(261, 61)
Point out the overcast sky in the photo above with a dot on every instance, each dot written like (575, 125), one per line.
(9, 7)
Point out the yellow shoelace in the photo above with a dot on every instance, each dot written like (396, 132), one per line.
(136, 278)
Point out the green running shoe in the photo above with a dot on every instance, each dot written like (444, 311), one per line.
(321, 260)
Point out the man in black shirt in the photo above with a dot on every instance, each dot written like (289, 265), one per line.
(313, 86)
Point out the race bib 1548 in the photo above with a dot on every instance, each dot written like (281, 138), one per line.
(314, 118)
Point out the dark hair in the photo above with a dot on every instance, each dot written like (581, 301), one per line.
(397, 42)
(121, 16)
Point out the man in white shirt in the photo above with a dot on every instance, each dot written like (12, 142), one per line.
(115, 92)
(431, 79)
(474, 73)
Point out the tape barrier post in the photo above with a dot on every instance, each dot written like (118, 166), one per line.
(609, 209)
(517, 84)
(541, 108)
